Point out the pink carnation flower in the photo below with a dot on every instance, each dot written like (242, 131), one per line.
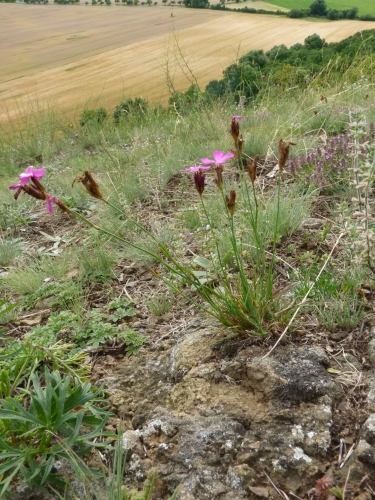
(219, 158)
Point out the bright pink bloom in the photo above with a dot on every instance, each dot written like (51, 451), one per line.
(52, 199)
(195, 169)
(25, 177)
(237, 117)
(263, 76)
(219, 158)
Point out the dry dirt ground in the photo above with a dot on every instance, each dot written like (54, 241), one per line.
(76, 56)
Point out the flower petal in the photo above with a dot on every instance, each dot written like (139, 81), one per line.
(206, 161)
(217, 155)
(15, 186)
(25, 178)
(29, 170)
(38, 173)
(49, 204)
(195, 169)
(225, 158)
(237, 117)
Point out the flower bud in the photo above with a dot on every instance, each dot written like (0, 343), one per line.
(252, 168)
(231, 202)
(199, 178)
(284, 153)
(234, 129)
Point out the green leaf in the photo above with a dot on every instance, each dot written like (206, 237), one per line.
(202, 262)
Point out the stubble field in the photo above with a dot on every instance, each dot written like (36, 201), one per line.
(77, 56)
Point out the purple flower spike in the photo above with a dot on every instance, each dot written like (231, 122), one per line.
(219, 158)
(25, 177)
(195, 169)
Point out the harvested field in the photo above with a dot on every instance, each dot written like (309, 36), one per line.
(76, 56)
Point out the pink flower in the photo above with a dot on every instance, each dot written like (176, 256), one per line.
(263, 76)
(237, 117)
(25, 177)
(219, 158)
(195, 169)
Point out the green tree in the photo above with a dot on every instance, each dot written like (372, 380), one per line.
(318, 8)
(197, 4)
(314, 42)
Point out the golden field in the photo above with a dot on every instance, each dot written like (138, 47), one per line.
(77, 56)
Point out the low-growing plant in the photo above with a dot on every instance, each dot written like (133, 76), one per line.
(93, 116)
(133, 340)
(11, 215)
(136, 106)
(10, 249)
(20, 359)
(61, 414)
(120, 309)
(160, 304)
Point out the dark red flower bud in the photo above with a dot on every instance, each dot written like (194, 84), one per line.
(199, 178)
(219, 176)
(234, 129)
(252, 168)
(231, 202)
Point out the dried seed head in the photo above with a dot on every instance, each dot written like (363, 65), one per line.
(284, 153)
(90, 184)
(252, 168)
(231, 202)
(199, 178)
(234, 129)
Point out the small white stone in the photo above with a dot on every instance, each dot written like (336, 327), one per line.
(300, 455)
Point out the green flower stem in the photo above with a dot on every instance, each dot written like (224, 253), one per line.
(180, 271)
(222, 269)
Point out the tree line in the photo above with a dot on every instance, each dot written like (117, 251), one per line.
(282, 67)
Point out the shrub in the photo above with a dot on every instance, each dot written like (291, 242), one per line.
(91, 116)
(129, 106)
(297, 13)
